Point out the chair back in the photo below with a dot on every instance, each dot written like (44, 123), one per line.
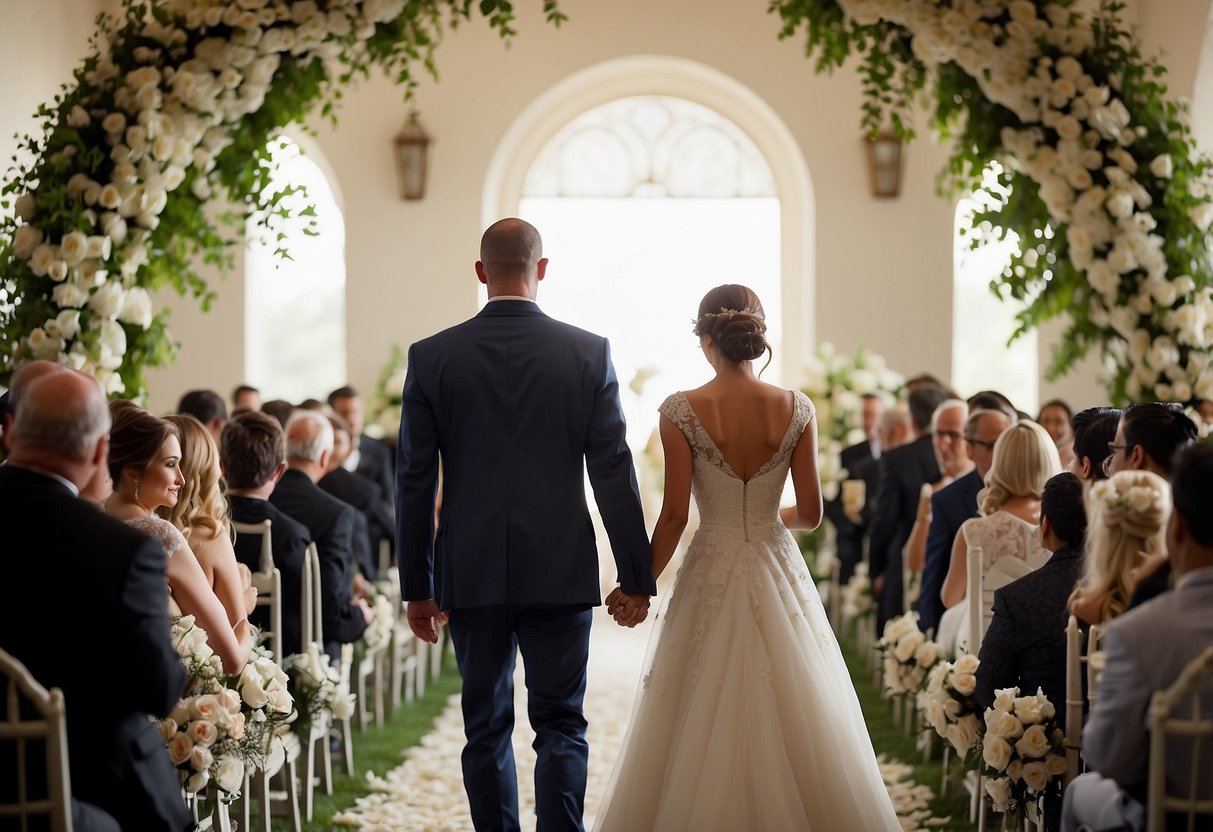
(268, 581)
(21, 731)
(313, 618)
(1095, 659)
(1181, 722)
(983, 585)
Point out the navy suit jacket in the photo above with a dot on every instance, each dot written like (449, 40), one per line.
(517, 407)
(370, 518)
(330, 523)
(288, 542)
(108, 580)
(1025, 645)
(951, 505)
(857, 460)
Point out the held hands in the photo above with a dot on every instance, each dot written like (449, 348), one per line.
(627, 610)
(425, 619)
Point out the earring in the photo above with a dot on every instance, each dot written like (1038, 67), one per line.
(137, 492)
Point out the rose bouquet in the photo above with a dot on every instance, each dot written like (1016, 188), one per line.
(223, 723)
(316, 686)
(908, 655)
(1023, 748)
(379, 632)
(857, 594)
(949, 704)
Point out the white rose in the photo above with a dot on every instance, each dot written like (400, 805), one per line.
(107, 301)
(114, 227)
(78, 117)
(927, 654)
(1002, 724)
(137, 308)
(1162, 166)
(964, 734)
(168, 729)
(965, 683)
(999, 790)
(68, 322)
(113, 339)
(99, 247)
(996, 752)
(1004, 699)
(907, 645)
(44, 345)
(1140, 498)
(251, 689)
(179, 748)
(1035, 776)
(1034, 742)
(203, 732)
(1055, 764)
(25, 207)
(1120, 204)
(197, 781)
(73, 247)
(968, 663)
(26, 239)
(1027, 710)
(1202, 215)
(230, 773)
(69, 295)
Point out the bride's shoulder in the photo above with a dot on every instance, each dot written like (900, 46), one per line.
(675, 407)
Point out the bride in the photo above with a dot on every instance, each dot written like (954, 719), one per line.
(746, 718)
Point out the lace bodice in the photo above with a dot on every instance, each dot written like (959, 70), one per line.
(723, 498)
(160, 530)
(1002, 534)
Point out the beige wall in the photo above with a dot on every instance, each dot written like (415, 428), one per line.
(883, 270)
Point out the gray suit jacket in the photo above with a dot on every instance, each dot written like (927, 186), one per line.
(1146, 649)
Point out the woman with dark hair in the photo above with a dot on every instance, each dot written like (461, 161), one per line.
(144, 463)
(1055, 417)
(744, 670)
(1094, 431)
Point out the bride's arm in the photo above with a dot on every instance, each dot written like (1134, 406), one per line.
(806, 514)
(193, 594)
(676, 501)
(956, 584)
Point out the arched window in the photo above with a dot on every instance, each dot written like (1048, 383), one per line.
(295, 306)
(982, 323)
(645, 203)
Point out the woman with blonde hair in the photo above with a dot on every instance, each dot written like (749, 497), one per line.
(1127, 521)
(202, 514)
(1025, 458)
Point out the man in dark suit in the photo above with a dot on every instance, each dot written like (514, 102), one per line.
(368, 457)
(1145, 650)
(330, 523)
(373, 522)
(110, 579)
(514, 404)
(253, 456)
(851, 531)
(902, 473)
(953, 504)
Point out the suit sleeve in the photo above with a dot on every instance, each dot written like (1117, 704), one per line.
(935, 565)
(416, 488)
(613, 477)
(998, 654)
(343, 622)
(159, 674)
(884, 521)
(1114, 741)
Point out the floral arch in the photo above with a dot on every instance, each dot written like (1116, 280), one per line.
(178, 97)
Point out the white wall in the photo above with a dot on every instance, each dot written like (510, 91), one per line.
(883, 268)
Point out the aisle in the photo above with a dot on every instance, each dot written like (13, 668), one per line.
(425, 793)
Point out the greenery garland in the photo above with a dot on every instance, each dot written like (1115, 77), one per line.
(178, 99)
(1100, 180)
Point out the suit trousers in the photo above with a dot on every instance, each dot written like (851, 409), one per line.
(554, 640)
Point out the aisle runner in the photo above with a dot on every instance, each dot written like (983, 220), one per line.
(425, 793)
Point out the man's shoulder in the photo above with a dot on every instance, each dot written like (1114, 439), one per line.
(251, 510)
(960, 494)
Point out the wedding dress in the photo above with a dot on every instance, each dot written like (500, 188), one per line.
(746, 718)
(170, 539)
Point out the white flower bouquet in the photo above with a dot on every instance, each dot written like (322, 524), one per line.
(223, 724)
(316, 686)
(908, 655)
(1023, 749)
(857, 595)
(949, 704)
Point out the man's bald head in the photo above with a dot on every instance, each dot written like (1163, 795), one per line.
(62, 416)
(26, 375)
(510, 248)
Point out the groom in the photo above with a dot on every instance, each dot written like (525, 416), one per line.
(512, 404)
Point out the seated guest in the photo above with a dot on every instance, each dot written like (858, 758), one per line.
(280, 409)
(1025, 458)
(207, 407)
(851, 525)
(993, 400)
(372, 522)
(330, 523)
(1025, 646)
(246, 397)
(144, 462)
(110, 580)
(1145, 650)
(368, 457)
(22, 377)
(1128, 517)
(952, 454)
(1094, 433)
(1055, 417)
(253, 454)
(202, 515)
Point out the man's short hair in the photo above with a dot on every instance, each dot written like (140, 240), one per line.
(922, 402)
(946, 405)
(344, 392)
(241, 390)
(66, 429)
(280, 409)
(315, 443)
(1161, 429)
(993, 400)
(511, 244)
(1192, 490)
(204, 405)
(251, 447)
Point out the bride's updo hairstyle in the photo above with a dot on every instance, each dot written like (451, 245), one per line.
(732, 315)
(135, 438)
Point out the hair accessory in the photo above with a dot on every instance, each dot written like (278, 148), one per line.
(726, 313)
(1133, 499)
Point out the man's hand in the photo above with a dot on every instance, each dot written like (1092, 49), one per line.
(425, 619)
(627, 610)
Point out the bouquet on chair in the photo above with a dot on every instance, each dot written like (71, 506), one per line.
(857, 595)
(222, 723)
(379, 632)
(1024, 747)
(949, 704)
(908, 655)
(316, 686)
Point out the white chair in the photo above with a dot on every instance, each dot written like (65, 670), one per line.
(982, 586)
(49, 730)
(313, 630)
(268, 581)
(1077, 655)
(404, 657)
(1183, 713)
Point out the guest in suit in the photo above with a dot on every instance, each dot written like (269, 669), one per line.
(951, 506)
(108, 577)
(1094, 431)
(373, 522)
(1025, 646)
(368, 457)
(253, 454)
(1145, 650)
(207, 407)
(330, 523)
(517, 405)
(851, 530)
(903, 471)
(952, 453)
(246, 396)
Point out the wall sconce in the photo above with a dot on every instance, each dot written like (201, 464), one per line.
(412, 158)
(884, 164)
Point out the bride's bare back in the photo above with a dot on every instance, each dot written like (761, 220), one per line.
(746, 419)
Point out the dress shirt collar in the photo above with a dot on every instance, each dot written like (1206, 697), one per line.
(68, 484)
(350, 463)
(511, 297)
(1196, 576)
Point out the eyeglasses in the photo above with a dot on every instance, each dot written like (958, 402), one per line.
(973, 440)
(1106, 466)
(950, 435)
